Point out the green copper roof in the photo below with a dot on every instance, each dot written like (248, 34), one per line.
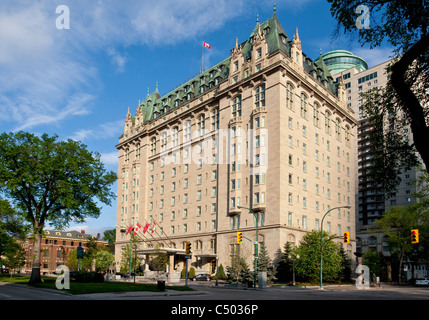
(277, 40)
(339, 60)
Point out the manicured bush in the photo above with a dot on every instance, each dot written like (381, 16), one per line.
(86, 277)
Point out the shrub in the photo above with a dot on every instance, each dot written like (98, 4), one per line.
(86, 277)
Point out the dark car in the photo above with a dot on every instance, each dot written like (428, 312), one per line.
(202, 277)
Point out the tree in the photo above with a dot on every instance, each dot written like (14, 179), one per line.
(266, 264)
(14, 257)
(11, 226)
(405, 26)
(397, 224)
(51, 181)
(110, 236)
(286, 263)
(103, 259)
(308, 264)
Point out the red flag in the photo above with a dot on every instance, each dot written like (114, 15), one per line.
(137, 228)
(130, 228)
(153, 227)
(146, 227)
(205, 44)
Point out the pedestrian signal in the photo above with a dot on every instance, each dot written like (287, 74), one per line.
(347, 237)
(415, 236)
(239, 237)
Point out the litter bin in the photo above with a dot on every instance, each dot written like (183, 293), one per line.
(161, 285)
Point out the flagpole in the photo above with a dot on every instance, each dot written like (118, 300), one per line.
(202, 58)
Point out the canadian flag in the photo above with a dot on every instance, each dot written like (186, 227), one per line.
(153, 227)
(205, 44)
(130, 228)
(137, 228)
(146, 227)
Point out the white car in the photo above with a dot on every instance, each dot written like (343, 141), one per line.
(422, 282)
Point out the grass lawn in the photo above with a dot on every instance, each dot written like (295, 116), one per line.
(83, 288)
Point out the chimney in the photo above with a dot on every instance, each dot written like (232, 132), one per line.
(98, 236)
(82, 231)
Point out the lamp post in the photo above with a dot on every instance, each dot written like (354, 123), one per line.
(321, 242)
(255, 263)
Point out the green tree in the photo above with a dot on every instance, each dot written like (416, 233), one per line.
(14, 257)
(110, 236)
(397, 224)
(285, 266)
(51, 181)
(103, 259)
(266, 264)
(238, 271)
(404, 26)
(308, 264)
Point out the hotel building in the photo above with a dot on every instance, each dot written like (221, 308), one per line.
(371, 200)
(261, 143)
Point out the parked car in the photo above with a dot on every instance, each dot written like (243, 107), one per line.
(202, 277)
(422, 282)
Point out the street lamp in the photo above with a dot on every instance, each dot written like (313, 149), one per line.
(255, 264)
(321, 242)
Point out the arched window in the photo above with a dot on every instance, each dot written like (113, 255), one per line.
(289, 96)
(260, 96)
(236, 107)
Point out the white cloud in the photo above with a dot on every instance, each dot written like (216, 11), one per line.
(374, 56)
(46, 74)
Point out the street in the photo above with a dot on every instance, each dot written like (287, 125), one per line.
(210, 301)
(208, 291)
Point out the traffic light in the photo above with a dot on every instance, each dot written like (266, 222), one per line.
(347, 237)
(239, 237)
(188, 248)
(415, 236)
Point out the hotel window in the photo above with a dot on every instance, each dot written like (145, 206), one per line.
(153, 146)
(338, 129)
(175, 137)
(164, 141)
(215, 119)
(201, 125)
(236, 107)
(327, 122)
(187, 131)
(289, 96)
(260, 96)
(303, 106)
(316, 115)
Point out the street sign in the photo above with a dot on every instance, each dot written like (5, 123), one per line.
(79, 252)
(188, 257)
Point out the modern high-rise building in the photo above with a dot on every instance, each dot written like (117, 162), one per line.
(261, 143)
(371, 200)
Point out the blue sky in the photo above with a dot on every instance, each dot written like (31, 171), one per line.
(79, 82)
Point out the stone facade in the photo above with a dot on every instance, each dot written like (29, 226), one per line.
(266, 129)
